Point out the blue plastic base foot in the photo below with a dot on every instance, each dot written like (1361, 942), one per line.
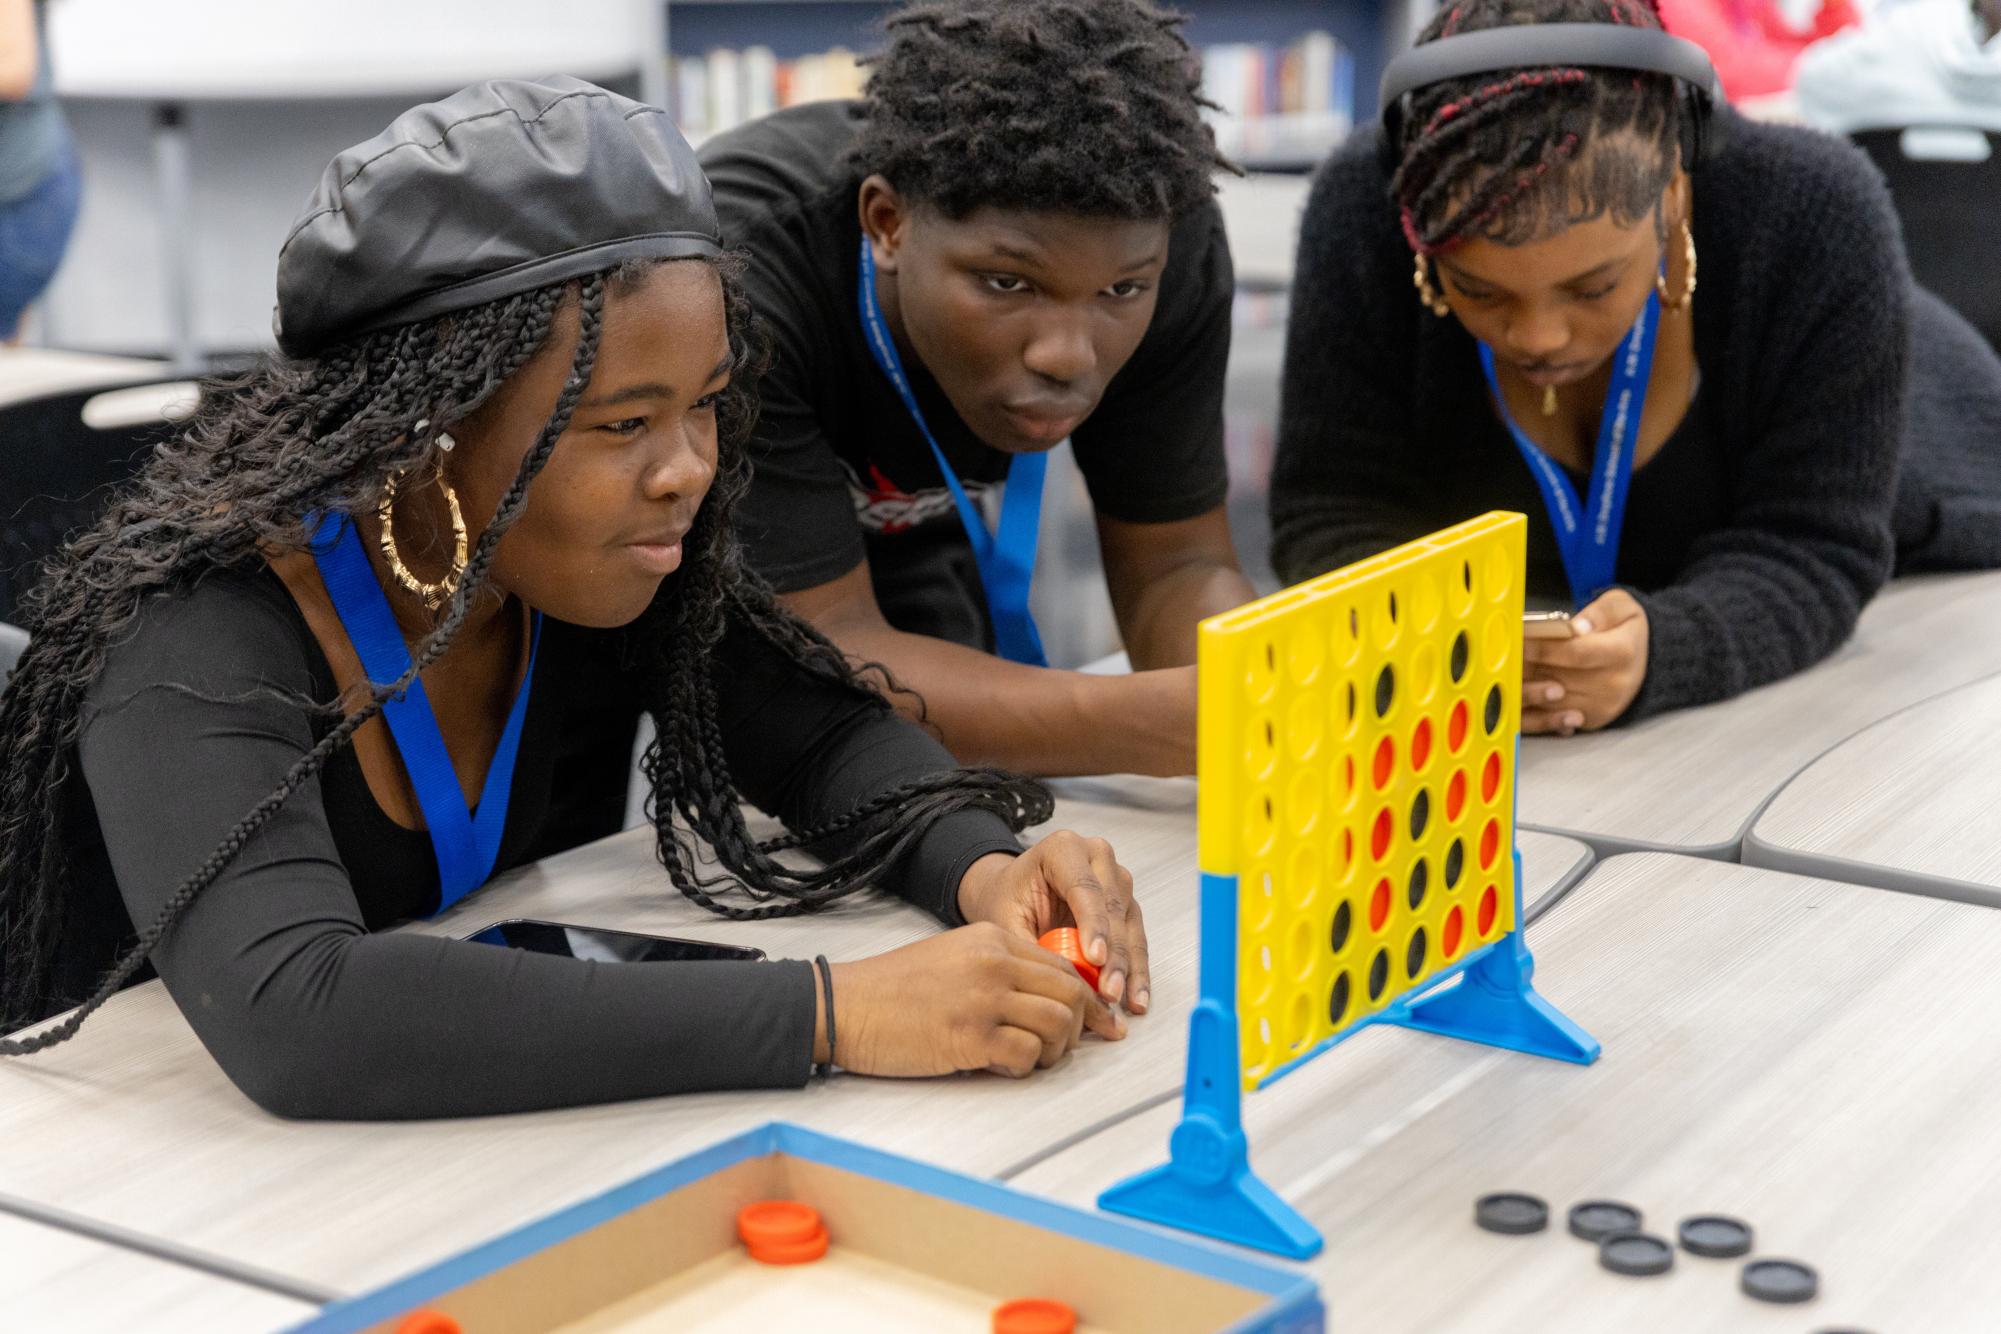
(1494, 1003)
(1208, 1188)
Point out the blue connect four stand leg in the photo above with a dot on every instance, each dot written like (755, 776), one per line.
(1494, 1003)
(1207, 1185)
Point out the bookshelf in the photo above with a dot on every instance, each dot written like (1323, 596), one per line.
(1252, 62)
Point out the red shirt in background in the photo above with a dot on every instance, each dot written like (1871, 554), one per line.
(1751, 43)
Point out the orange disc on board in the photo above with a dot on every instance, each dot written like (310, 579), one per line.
(1034, 1315)
(777, 1222)
(1064, 941)
(790, 1252)
(428, 1322)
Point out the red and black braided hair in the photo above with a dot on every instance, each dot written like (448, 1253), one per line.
(1517, 155)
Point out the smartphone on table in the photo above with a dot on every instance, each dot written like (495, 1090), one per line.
(604, 945)
(1548, 625)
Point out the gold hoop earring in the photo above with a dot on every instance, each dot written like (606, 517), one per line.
(1421, 280)
(1688, 290)
(434, 595)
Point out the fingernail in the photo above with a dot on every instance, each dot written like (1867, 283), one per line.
(1099, 949)
(1581, 626)
(1140, 998)
(1573, 720)
(1114, 985)
(1553, 694)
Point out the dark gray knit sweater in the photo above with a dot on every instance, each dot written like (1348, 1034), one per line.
(1771, 515)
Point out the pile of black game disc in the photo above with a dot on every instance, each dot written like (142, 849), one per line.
(1615, 1229)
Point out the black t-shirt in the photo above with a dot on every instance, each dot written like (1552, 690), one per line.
(842, 470)
(204, 707)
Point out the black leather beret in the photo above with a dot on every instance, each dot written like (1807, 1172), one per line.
(499, 189)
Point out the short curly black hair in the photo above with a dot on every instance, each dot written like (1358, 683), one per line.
(1089, 107)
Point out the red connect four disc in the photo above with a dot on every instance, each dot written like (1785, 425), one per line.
(1034, 1315)
(428, 1322)
(791, 1252)
(1064, 941)
(781, 1232)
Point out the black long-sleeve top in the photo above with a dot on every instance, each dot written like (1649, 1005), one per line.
(1771, 515)
(280, 965)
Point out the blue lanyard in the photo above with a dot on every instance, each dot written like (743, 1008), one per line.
(1006, 558)
(466, 842)
(1589, 544)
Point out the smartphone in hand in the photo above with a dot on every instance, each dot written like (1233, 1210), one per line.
(1548, 625)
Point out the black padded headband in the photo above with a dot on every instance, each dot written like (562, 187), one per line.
(1532, 45)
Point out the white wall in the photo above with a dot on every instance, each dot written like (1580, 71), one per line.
(274, 89)
(254, 48)
(254, 167)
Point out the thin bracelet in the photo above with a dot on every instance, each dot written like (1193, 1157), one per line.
(827, 991)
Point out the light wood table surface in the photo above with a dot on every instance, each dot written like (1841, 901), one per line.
(1907, 804)
(30, 372)
(57, 1280)
(1695, 780)
(133, 1125)
(1818, 1060)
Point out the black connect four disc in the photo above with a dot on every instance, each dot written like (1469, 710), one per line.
(1779, 1281)
(1715, 1236)
(1635, 1253)
(1595, 1220)
(1511, 1213)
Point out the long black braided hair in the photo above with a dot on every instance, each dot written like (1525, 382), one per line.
(1502, 156)
(294, 437)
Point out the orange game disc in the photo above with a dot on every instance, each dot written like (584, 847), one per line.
(1034, 1315)
(1064, 941)
(428, 1322)
(790, 1252)
(777, 1223)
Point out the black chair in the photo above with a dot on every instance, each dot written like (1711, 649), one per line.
(55, 471)
(1951, 214)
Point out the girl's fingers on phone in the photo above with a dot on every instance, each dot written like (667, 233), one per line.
(1592, 653)
(1542, 691)
(1551, 722)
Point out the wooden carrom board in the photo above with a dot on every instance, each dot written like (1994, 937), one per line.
(912, 1246)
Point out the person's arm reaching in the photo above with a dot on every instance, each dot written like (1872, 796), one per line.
(1152, 455)
(800, 532)
(1166, 579)
(807, 749)
(309, 1013)
(990, 711)
(312, 1015)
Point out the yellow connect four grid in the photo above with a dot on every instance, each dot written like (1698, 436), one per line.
(1357, 755)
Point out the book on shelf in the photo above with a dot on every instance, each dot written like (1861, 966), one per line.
(724, 88)
(1289, 103)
